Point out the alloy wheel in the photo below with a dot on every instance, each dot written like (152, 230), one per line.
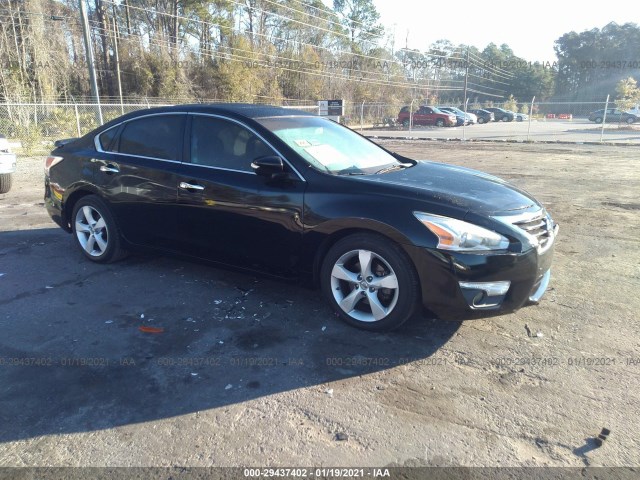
(91, 231)
(364, 285)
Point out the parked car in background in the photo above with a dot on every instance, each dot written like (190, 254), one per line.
(521, 117)
(501, 115)
(7, 165)
(613, 116)
(484, 116)
(426, 115)
(462, 118)
(296, 195)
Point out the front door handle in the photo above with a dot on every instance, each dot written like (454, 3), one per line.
(191, 186)
(109, 168)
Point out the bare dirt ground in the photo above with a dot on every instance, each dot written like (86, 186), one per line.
(250, 371)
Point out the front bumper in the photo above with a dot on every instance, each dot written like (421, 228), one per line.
(462, 285)
(8, 163)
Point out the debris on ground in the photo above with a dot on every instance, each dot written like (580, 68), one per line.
(109, 321)
(604, 434)
(146, 329)
(342, 437)
(324, 328)
(228, 387)
(528, 330)
(329, 391)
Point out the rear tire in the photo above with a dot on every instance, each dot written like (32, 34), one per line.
(96, 231)
(405, 123)
(370, 282)
(598, 120)
(6, 180)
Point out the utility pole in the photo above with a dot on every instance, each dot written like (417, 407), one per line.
(89, 51)
(466, 80)
(116, 32)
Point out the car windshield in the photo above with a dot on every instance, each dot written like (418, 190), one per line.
(328, 146)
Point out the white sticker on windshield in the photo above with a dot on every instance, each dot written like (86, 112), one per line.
(326, 154)
(302, 143)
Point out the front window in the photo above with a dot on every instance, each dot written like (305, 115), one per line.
(328, 146)
(220, 143)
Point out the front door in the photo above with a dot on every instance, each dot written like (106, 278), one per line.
(226, 211)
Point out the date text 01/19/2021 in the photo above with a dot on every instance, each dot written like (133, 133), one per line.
(323, 472)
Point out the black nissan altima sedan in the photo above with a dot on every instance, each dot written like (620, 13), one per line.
(295, 195)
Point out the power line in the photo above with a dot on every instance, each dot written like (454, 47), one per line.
(252, 61)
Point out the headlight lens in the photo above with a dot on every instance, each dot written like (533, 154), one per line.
(461, 236)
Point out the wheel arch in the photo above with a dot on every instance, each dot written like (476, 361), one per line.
(73, 198)
(368, 227)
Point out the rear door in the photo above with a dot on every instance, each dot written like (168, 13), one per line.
(139, 177)
(227, 212)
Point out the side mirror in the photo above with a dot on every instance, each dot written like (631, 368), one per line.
(268, 166)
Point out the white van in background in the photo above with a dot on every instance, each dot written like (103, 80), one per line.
(7, 165)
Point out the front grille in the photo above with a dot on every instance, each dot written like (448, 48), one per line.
(540, 227)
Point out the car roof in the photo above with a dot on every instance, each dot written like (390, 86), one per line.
(242, 110)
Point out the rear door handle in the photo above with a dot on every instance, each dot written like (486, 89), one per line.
(109, 168)
(191, 186)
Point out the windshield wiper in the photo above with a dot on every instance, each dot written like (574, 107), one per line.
(399, 166)
(345, 171)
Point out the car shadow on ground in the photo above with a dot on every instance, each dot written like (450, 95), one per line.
(86, 347)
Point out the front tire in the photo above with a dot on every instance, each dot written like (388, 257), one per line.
(370, 282)
(95, 230)
(480, 120)
(439, 123)
(6, 180)
(630, 120)
(598, 120)
(405, 123)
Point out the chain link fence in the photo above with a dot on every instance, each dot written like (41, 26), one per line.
(538, 121)
(33, 127)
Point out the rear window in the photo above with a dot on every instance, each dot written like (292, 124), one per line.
(159, 136)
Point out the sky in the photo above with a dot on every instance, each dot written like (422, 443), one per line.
(529, 28)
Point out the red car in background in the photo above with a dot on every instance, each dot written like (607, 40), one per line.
(426, 116)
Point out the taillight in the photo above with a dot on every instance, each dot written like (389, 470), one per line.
(50, 161)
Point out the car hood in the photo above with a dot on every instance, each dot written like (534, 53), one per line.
(458, 187)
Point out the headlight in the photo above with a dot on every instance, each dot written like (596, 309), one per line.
(461, 236)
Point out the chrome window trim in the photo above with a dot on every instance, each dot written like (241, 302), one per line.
(96, 142)
(275, 150)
